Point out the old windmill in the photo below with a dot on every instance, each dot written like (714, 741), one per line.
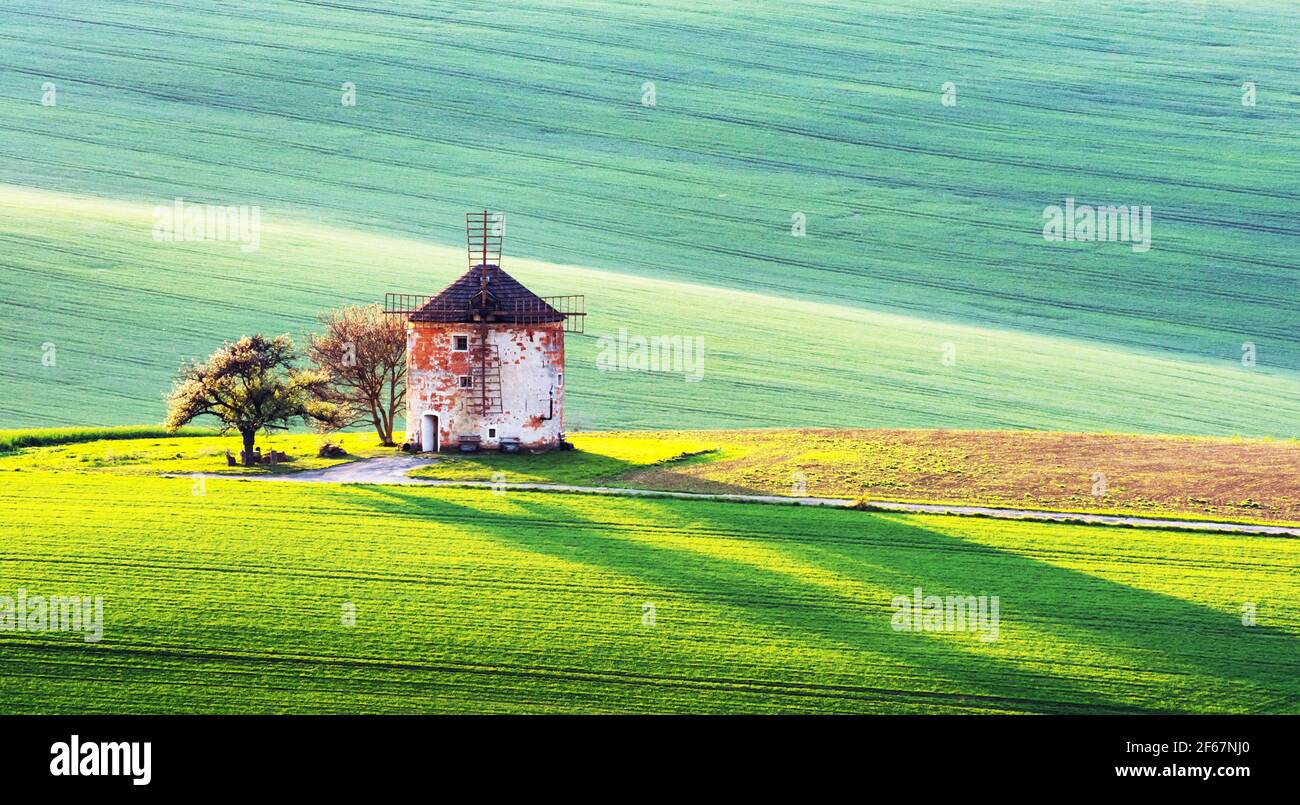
(485, 355)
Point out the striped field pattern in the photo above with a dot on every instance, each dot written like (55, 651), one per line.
(923, 221)
(124, 312)
(229, 598)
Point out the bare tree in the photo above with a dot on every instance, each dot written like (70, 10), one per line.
(251, 385)
(363, 351)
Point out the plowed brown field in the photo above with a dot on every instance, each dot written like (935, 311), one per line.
(1243, 479)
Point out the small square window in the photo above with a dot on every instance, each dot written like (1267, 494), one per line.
(559, 380)
(492, 433)
(467, 381)
(461, 343)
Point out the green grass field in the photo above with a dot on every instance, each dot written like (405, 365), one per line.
(765, 364)
(597, 458)
(229, 597)
(15, 440)
(189, 453)
(924, 221)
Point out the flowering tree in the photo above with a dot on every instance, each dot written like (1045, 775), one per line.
(250, 385)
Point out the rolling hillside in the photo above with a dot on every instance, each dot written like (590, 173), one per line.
(924, 222)
(123, 311)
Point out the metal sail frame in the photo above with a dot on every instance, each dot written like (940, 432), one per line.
(484, 237)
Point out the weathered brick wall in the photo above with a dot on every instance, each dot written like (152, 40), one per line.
(531, 369)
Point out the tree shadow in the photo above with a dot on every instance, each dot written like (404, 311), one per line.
(1195, 649)
(831, 579)
(583, 468)
(664, 479)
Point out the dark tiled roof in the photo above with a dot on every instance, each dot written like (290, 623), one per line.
(506, 300)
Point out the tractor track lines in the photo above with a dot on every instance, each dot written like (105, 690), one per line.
(555, 582)
(607, 68)
(946, 545)
(730, 119)
(473, 632)
(802, 46)
(931, 284)
(611, 676)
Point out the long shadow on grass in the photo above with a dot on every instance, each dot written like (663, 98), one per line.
(1208, 659)
(583, 468)
(947, 672)
(896, 556)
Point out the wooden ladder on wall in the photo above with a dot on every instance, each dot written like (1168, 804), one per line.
(487, 376)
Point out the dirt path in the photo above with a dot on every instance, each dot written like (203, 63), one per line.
(393, 471)
(363, 471)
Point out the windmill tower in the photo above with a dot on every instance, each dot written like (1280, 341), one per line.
(485, 355)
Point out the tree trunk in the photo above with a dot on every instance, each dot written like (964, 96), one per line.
(250, 436)
(391, 413)
(383, 426)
